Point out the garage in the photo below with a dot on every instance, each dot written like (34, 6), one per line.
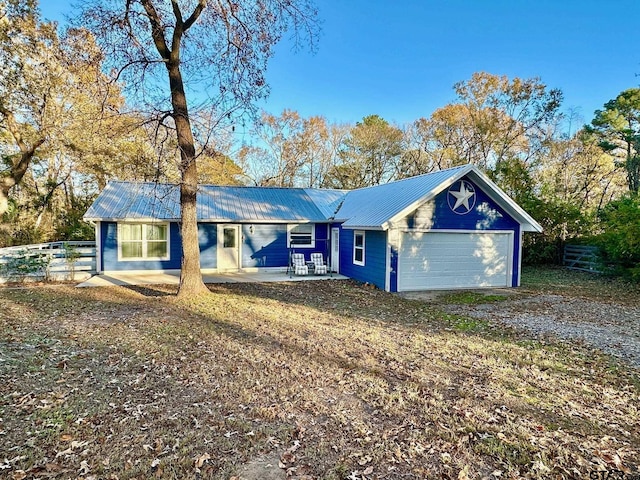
(442, 260)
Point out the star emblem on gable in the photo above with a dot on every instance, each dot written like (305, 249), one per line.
(462, 197)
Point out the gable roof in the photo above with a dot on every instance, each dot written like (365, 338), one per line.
(152, 201)
(375, 207)
(379, 206)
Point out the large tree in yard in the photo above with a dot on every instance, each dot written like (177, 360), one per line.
(56, 107)
(495, 123)
(213, 53)
(617, 126)
(30, 82)
(370, 155)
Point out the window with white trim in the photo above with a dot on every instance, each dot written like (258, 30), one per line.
(302, 235)
(358, 247)
(143, 241)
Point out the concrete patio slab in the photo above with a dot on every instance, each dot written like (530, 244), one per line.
(174, 278)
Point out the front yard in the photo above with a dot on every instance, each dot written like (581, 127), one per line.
(313, 380)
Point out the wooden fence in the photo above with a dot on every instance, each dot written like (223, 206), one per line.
(48, 261)
(582, 257)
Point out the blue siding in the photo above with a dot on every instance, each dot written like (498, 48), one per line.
(109, 233)
(321, 246)
(485, 215)
(100, 242)
(206, 237)
(393, 275)
(516, 257)
(105, 245)
(265, 247)
(375, 257)
(323, 235)
(208, 241)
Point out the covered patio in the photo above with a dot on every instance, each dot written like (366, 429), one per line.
(151, 278)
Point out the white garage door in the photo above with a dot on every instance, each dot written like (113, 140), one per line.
(454, 260)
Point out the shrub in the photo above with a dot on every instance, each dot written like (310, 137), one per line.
(620, 240)
(561, 222)
(25, 264)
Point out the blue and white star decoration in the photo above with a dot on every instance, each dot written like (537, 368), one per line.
(461, 197)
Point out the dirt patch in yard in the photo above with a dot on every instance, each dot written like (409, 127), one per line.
(262, 468)
(611, 328)
(599, 312)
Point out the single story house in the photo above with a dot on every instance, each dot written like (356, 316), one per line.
(447, 229)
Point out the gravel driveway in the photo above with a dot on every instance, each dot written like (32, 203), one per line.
(611, 327)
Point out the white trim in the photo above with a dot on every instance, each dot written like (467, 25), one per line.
(220, 252)
(358, 227)
(527, 223)
(171, 271)
(335, 262)
(130, 219)
(204, 271)
(387, 275)
(508, 202)
(364, 243)
(215, 271)
(206, 220)
(430, 196)
(519, 260)
(98, 228)
(291, 226)
(451, 230)
(144, 242)
(509, 272)
(510, 259)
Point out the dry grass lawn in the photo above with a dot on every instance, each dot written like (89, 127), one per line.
(331, 380)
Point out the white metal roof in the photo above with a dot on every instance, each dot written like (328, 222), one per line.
(327, 201)
(377, 207)
(374, 207)
(151, 201)
(367, 208)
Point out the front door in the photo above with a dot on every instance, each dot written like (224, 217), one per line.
(228, 247)
(335, 250)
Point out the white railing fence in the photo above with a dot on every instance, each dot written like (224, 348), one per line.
(57, 261)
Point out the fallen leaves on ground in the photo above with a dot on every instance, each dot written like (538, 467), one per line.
(339, 380)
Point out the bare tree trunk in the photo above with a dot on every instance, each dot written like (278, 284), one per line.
(191, 282)
(190, 276)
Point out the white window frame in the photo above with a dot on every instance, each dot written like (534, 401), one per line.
(290, 229)
(355, 247)
(144, 242)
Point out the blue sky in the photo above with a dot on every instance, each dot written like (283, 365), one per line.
(400, 58)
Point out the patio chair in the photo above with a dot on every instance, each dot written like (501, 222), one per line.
(298, 264)
(320, 268)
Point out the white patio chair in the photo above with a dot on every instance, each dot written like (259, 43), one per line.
(320, 268)
(299, 265)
